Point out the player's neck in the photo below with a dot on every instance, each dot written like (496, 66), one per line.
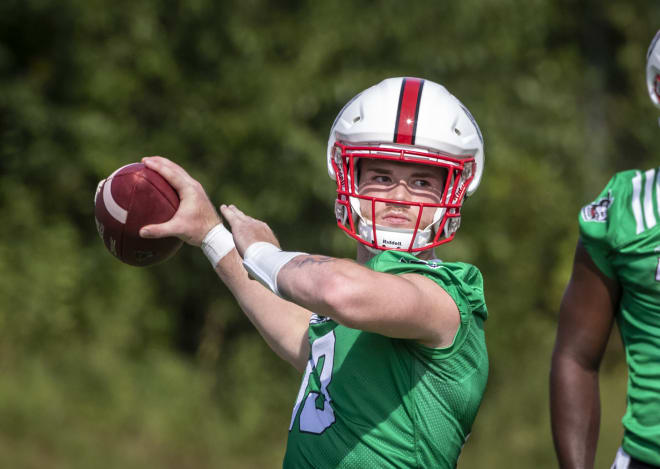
(363, 254)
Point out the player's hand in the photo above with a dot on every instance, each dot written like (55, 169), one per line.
(196, 214)
(246, 230)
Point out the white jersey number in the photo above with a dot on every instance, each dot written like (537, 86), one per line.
(315, 418)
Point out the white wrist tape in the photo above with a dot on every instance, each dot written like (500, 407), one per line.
(217, 244)
(264, 260)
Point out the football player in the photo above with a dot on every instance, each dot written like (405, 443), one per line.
(616, 276)
(391, 347)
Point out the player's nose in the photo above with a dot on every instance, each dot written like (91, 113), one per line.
(400, 191)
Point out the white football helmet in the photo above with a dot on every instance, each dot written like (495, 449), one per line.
(407, 120)
(653, 70)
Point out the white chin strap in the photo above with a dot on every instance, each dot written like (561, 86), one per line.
(393, 238)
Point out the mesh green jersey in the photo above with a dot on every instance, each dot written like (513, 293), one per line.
(621, 232)
(370, 401)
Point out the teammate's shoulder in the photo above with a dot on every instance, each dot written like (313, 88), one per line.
(617, 192)
(623, 210)
(621, 182)
(626, 180)
(626, 174)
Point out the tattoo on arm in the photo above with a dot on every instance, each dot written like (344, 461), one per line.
(301, 261)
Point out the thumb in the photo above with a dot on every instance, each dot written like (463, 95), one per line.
(161, 230)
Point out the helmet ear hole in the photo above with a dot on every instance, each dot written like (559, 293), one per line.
(452, 225)
(341, 213)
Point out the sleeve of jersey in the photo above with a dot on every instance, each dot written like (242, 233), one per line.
(464, 284)
(595, 222)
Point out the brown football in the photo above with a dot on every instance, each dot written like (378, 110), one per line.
(130, 198)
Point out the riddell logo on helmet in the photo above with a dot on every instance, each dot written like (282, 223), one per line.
(387, 242)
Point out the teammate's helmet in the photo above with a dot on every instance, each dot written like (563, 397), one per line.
(406, 120)
(653, 70)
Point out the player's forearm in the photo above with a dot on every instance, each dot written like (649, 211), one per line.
(575, 412)
(282, 324)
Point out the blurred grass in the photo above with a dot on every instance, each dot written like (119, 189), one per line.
(96, 410)
(513, 425)
(89, 409)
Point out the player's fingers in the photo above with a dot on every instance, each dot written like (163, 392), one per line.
(172, 172)
(158, 161)
(228, 214)
(234, 212)
(234, 217)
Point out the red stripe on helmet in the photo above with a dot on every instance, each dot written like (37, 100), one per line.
(408, 110)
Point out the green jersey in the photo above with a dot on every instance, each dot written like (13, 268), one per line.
(367, 400)
(621, 232)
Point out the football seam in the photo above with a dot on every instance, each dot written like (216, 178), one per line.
(162, 193)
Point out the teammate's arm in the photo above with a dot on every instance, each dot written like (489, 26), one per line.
(407, 306)
(585, 322)
(281, 323)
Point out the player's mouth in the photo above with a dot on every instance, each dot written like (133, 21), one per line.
(396, 219)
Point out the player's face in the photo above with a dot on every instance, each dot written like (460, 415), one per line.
(400, 181)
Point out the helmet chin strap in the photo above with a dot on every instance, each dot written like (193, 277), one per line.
(393, 238)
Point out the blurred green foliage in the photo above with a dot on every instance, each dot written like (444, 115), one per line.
(105, 365)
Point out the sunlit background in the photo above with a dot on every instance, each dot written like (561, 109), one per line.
(103, 365)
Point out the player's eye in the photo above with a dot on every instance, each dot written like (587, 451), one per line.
(421, 183)
(381, 179)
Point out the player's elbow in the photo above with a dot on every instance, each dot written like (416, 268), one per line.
(569, 360)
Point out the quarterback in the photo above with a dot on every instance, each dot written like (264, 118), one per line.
(616, 276)
(391, 345)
